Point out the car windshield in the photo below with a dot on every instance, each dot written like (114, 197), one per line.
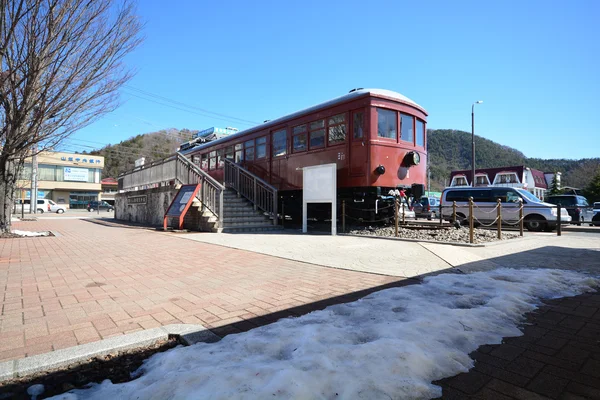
(51, 202)
(528, 196)
(597, 206)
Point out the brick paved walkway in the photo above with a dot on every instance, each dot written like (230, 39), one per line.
(557, 358)
(94, 281)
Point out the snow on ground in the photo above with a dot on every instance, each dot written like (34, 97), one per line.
(390, 344)
(30, 234)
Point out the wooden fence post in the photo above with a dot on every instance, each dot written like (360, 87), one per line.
(471, 220)
(396, 218)
(499, 219)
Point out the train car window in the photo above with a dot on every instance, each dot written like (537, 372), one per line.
(261, 147)
(249, 150)
(357, 126)
(239, 153)
(317, 138)
(387, 123)
(337, 129)
(229, 152)
(204, 162)
(299, 129)
(407, 130)
(212, 160)
(220, 162)
(420, 131)
(300, 142)
(317, 134)
(279, 143)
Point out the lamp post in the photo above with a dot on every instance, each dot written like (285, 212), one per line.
(473, 142)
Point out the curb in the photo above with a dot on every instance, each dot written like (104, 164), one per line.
(187, 333)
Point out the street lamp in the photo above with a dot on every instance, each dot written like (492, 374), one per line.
(473, 142)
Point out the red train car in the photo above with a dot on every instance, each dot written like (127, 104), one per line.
(376, 137)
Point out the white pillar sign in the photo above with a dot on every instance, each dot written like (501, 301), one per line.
(319, 186)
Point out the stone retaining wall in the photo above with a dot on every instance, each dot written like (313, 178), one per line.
(148, 207)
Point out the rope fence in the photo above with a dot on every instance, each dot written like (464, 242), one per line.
(512, 216)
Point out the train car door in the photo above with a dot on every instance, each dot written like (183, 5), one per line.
(278, 157)
(358, 144)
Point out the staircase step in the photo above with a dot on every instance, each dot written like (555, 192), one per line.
(240, 220)
(250, 228)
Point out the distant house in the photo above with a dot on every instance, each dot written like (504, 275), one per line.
(109, 189)
(532, 180)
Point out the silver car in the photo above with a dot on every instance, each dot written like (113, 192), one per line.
(537, 214)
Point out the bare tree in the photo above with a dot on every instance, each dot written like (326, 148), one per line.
(61, 65)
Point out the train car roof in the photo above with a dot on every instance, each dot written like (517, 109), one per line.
(383, 93)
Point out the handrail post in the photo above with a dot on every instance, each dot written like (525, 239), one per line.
(254, 199)
(275, 216)
(221, 208)
(343, 216)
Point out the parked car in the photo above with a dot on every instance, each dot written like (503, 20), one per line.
(43, 205)
(596, 217)
(404, 208)
(427, 207)
(99, 205)
(537, 214)
(578, 207)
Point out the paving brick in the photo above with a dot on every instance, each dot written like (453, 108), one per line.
(525, 366)
(513, 391)
(507, 352)
(583, 390)
(592, 367)
(548, 385)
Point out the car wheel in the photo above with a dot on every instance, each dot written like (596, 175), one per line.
(535, 223)
(60, 211)
(40, 211)
(91, 209)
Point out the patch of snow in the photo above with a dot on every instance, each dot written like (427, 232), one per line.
(390, 344)
(30, 234)
(35, 390)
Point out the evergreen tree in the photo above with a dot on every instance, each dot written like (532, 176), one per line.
(554, 186)
(592, 191)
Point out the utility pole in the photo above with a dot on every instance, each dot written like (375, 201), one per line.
(34, 183)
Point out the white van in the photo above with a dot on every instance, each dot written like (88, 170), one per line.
(537, 214)
(43, 205)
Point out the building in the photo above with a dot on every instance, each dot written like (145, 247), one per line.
(69, 179)
(109, 189)
(530, 179)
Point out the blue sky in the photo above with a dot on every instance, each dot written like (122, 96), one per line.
(535, 64)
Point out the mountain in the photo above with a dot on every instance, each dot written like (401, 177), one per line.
(153, 146)
(451, 150)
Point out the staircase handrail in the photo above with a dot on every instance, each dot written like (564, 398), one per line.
(197, 169)
(249, 185)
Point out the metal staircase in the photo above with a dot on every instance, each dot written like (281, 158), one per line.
(239, 215)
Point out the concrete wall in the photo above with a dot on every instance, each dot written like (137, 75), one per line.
(128, 207)
(149, 213)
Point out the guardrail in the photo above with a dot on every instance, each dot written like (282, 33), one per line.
(262, 195)
(180, 169)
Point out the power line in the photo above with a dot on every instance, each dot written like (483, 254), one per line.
(201, 112)
(229, 117)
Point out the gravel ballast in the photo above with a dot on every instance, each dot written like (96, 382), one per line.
(448, 234)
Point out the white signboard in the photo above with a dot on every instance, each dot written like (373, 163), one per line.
(319, 186)
(76, 174)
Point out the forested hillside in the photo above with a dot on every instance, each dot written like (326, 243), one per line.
(153, 146)
(451, 149)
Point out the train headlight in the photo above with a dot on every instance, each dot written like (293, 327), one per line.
(380, 170)
(412, 158)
